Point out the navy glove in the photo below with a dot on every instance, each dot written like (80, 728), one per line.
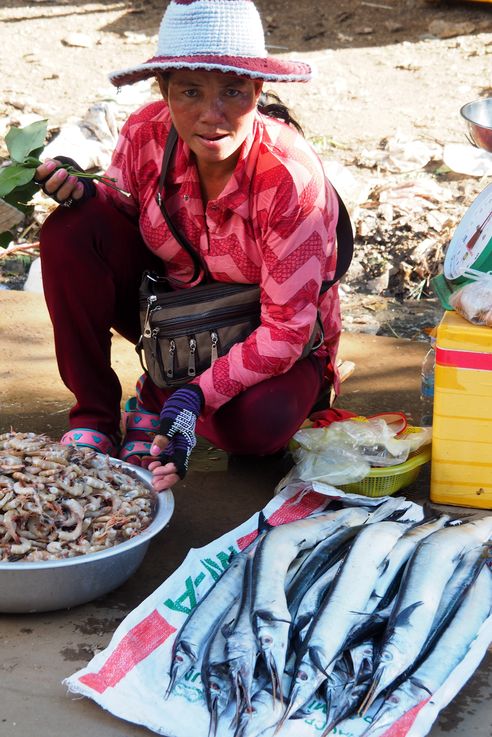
(88, 184)
(178, 419)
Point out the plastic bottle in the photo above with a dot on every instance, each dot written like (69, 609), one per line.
(427, 387)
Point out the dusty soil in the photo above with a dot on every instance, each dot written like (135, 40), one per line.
(386, 70)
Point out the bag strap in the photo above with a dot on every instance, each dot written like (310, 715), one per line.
(198, 263)
(345, 236)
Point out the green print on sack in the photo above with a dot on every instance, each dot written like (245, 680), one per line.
(189, 599)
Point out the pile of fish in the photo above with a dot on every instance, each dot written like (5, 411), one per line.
(59, 501)
(353, 605)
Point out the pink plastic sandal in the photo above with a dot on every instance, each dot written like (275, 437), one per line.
(87, 438)
(140, 429)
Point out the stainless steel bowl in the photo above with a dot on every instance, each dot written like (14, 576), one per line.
(62, 584)
(478, 117)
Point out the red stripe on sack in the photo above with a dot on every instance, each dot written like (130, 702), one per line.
(135, 646)
(464, 359)
(246, 540)
(300, 506)
(403, 724)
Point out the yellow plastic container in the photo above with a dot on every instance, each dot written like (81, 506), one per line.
(461, 470)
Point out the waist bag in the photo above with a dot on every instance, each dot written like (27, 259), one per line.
(185, 330)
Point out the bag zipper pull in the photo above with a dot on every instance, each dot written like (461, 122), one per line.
(172, 351)
(150, 301)
(214, 354)
(191, 359)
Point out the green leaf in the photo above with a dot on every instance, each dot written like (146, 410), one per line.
(23, 141)
(14, 175)
(20, 197)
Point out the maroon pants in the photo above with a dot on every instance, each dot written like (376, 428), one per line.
(92, 261)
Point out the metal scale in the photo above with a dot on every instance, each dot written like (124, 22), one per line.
(469, 253)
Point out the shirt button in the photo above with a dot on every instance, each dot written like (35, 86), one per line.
(186, 197)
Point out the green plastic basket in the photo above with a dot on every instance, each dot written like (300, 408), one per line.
(389, 480)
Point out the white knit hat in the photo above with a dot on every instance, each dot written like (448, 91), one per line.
(214, 35)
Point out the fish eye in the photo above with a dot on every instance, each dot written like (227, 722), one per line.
(302, 675)
(179, 658)
(393, 699)
(387, 657)
(267, 640)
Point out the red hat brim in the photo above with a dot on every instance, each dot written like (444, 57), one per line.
(268, 68)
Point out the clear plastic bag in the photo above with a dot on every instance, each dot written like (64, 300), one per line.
(474, 301)
(344, 452)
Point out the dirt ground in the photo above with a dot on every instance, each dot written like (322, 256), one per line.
(385, 70)
(381, 65)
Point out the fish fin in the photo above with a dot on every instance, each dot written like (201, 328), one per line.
(383, 566)
(266, 616)
(263, 524)
(403, 617)
(419, 684)
(315, 657)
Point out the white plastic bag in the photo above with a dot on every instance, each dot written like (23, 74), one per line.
(474, 301)
(345, 451)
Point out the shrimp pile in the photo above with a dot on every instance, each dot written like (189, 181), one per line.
(60, 501)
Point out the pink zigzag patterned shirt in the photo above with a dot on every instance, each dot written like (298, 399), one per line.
(273, 224)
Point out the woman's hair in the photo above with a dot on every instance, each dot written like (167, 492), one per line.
(271, 105)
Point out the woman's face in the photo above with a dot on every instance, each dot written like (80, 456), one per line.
(212, 112)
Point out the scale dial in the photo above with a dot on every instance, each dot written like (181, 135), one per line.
(471, 244)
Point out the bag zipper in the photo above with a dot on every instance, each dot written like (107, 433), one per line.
(191, 358)
(147, 330)
(200, 324)
(202, 293)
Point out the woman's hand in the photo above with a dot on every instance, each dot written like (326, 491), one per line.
(176, 439)
(57, 183)
(164, 475)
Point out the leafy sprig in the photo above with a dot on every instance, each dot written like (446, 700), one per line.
(25, 146)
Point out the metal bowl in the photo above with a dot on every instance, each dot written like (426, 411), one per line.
(478, 116)
(62, 584)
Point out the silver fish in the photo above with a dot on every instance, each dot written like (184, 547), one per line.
(216, 682)
(269, 611)
(192, 637)
(347, 684)
(263, 717)
(346, 600)
(448, 652)
(321, 557)
(426, 576)
(311, 602)
(399, 556)
(241, 648)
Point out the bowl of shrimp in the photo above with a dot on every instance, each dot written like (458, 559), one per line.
(74, 524)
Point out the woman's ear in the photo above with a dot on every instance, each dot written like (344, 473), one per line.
(258, 88)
